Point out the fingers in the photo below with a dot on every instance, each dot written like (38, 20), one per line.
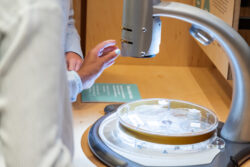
(94, 65)
(78, 65)
(101, 46)
(72, 65)
(74, 61)
(109, 49)
(111, 60)
(111, 56)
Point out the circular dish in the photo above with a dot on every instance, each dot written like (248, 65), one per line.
(107, 140)
(167, 121)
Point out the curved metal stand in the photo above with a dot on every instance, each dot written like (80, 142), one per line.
(237, 126)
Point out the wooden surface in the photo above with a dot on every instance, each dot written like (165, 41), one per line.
(104, 21)
(202, 86)
(228, 11)
(218, 56)
(87, 151)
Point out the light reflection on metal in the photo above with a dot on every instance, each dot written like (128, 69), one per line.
(200, 35)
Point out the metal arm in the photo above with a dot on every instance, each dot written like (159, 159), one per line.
(237, 126)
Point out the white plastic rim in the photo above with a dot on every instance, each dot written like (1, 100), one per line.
(125, 110)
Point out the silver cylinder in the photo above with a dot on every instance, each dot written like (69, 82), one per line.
(141, 32)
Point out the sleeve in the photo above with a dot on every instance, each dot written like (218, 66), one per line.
(35, 111)
(75, 85)
(72, 37)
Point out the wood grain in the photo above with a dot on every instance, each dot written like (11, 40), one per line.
(87, 151)
(104, 20)
(245, 12)
(77, 5)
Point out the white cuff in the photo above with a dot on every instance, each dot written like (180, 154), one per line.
(75, 85)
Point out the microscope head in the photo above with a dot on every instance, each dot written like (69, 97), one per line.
(141, 32)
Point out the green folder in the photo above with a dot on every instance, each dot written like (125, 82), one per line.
(109, 92)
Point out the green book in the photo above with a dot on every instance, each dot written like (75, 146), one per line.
(109, 92)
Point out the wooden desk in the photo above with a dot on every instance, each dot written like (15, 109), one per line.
(202, 86)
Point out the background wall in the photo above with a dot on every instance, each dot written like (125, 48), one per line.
(245, 12)
(104, 20)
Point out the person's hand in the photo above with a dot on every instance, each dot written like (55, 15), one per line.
(100, 57)
(74, 61)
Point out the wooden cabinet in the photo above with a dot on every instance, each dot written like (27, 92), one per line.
(245, 13)
(229, 12)
(80, 19)
(103, 20)
(178, 48)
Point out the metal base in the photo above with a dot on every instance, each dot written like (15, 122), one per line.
(234, 154)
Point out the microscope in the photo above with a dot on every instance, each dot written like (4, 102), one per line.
(141, 38)
(141, 35)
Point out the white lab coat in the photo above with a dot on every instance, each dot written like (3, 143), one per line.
(35, 111)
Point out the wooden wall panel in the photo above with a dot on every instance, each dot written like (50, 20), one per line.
(80, 20)
(77, 5)
(228, 11)
(104, 20)
(245, 12)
